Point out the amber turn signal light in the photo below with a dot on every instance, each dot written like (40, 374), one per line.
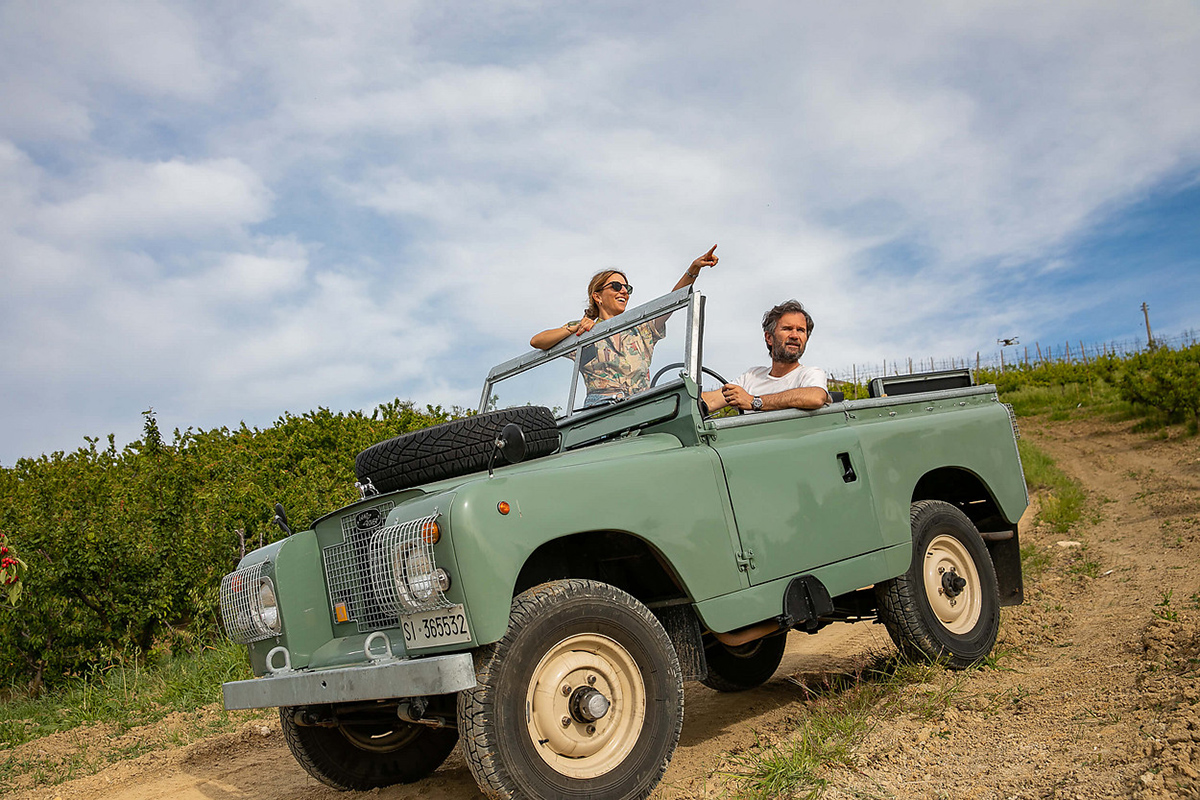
(503, 507)
(431, 532)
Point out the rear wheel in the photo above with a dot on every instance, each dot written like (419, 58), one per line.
(946, 607)
(736, 669)
(369, 754)
(582, 697)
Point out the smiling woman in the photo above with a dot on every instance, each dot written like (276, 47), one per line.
(618, 365)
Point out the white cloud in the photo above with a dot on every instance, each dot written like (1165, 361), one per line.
(454, 97)
(19, 180)
(62, 60)
(160, 200)
(292, 204)
(248, 278)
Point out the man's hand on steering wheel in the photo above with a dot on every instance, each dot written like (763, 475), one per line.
(736, 396)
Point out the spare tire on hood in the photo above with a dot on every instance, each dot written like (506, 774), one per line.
(453, 448)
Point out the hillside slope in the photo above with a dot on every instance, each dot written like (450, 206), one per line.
(1096, 695)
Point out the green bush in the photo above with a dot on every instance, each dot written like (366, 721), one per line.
(1162, 385)
(126, 547)
(1165, 380)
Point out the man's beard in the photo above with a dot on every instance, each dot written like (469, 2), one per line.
(780, 353)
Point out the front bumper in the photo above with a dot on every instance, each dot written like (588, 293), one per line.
(382, 680)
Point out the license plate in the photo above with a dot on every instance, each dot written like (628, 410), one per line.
(431, 628)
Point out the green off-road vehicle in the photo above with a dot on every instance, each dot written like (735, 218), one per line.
(538, 580)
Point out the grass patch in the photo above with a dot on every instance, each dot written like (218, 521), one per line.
(796, 768)
(126, 695)
(1061, 400)
(1034, 561)
(839, 712)
(1083, 564)
(1163, 610)
(1062, 506)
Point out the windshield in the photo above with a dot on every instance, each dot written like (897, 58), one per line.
(618, 359)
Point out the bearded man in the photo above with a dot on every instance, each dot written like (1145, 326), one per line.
(786, 383)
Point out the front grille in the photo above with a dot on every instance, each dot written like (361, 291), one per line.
(361, 570)
(348, 572)
(240, 605)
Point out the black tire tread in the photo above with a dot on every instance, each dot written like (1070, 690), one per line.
(417, 760)
(453, 448)
(479, 749)
(729, 673)
(898, 598)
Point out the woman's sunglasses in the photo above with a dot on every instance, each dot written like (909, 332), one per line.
(617, 286)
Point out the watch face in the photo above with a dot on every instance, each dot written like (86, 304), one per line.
(756, 403)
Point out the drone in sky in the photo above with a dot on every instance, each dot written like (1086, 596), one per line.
(1008, 342)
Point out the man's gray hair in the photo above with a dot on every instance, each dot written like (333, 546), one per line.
(771, 318)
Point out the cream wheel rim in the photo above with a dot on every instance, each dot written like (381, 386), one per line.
(946, 559)
(578, 748)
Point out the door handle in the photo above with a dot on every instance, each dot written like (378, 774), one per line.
(847, 468)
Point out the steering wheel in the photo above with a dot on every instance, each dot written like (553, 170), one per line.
(677, 365)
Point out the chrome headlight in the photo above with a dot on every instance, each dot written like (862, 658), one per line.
(404, 568)
(421, 579)
(249, 606)
(268, 607)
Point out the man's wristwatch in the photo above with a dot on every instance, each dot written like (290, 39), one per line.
(756, 403)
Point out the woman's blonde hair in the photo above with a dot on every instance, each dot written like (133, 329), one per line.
(596, 284)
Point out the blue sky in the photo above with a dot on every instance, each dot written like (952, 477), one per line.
(225, 211)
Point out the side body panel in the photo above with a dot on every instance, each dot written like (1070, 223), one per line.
(798, 516)
(670, 496)
(903, 441)
(765, 600)
(801, 493)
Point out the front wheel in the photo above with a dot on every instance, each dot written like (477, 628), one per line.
(367, 754)
(583, 697)
(946, 607)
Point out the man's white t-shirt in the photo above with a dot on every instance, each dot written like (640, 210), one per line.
(758, 380)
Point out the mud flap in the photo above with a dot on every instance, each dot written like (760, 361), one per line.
(683, 626)
(804, 602)
(1005, 550)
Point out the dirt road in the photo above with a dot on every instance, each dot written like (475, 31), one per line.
(1096, 694)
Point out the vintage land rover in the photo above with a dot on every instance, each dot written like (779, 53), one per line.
(539, 580)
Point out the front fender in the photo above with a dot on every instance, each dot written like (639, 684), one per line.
(650, 486)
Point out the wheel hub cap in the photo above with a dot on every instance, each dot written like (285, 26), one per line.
(585, 706)
(588, 705)
(952, 584)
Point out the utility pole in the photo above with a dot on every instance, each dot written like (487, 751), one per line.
(1149, 336)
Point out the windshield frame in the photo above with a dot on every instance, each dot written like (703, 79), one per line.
(685, 298)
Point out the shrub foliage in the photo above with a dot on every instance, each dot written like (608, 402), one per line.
(1165, 380)
(123, 548)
